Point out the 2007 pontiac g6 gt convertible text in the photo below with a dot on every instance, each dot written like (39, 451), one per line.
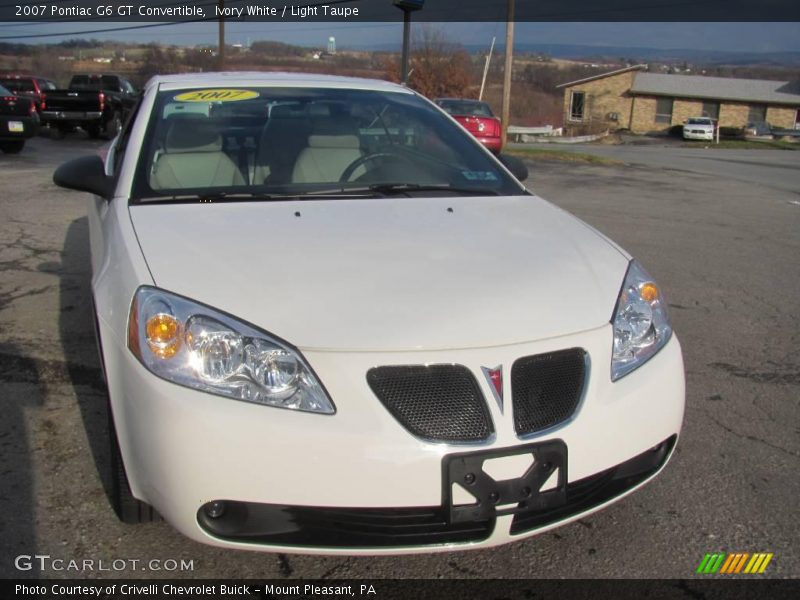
(330, 321)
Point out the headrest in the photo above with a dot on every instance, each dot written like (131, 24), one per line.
(318, 110)
(192, 136)
(285, 111)
(333, 141)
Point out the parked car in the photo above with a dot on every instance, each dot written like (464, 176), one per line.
(30, 86)
(699, 128)
(477, 118)
(764, 129)
(97, 103)
(330, 321)
(18, 121)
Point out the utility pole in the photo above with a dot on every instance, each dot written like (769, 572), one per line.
(221, 47)
(507, 72)
(486, 69)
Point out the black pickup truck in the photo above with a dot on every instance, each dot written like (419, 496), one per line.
(97, 103)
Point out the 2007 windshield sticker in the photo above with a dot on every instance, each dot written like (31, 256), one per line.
(216, 95)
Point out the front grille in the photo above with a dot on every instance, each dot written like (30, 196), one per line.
(546, 389)
(589, 492)
(437, 402)
(309, 526)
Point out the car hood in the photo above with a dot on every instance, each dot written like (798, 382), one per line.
(388, 274)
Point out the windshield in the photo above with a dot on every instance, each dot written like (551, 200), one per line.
(470, 108)
(4, 91)
(302, 141)
(701, 121)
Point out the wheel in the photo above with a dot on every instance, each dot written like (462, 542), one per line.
(13, 147)
(93, 131)
(351, 168)
(114, 126)
(128, 509)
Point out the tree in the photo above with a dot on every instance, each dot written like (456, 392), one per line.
(158, 61)
(438, 67)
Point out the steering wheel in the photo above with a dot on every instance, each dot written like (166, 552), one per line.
(351, 168)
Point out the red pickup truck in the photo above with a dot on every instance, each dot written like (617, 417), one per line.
(30, 86)
(477, 118)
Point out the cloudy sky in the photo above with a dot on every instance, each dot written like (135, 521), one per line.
(749, 37)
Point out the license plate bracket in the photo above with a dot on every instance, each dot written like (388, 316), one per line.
(16, 127)
(466, 470)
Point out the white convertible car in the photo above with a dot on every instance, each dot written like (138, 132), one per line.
(330, 321)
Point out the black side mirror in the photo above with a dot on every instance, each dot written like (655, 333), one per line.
(515, 165)
(85, 174)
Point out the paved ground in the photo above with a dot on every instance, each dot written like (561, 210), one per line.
(773, 169)
(725, 250)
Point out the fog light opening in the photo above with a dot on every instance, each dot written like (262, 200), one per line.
(215, 509)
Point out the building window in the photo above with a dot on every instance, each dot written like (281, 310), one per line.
(757, 112)
(577, 105)
(663, 110)
(711, 109)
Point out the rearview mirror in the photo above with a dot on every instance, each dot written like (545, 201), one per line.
(515, 165)
(85, 174)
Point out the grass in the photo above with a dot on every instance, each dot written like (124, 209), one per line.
(746, 145)
(563, 156)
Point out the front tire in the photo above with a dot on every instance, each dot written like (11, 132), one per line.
(93, 131)
(13, 147)
(114, 126)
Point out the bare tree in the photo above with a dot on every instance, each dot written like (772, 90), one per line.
(438, 66)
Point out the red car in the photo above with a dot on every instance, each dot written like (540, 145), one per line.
(477, 118)
(28, 85)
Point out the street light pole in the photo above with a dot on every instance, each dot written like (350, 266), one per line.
(507, 72)
(407, 6)
(406, 43)
(221, 48)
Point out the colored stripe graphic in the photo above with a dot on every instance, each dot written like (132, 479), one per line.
(711, 563)
(734, 563)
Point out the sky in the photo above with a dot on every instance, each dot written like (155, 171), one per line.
(747, 37)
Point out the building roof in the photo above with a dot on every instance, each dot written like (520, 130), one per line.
(717, 88)
(602, 75)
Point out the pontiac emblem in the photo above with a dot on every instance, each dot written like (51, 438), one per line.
(495, 379)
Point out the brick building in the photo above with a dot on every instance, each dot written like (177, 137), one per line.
(644, 102)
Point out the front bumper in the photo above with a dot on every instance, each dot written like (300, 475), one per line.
(698, 135)
(292, 471)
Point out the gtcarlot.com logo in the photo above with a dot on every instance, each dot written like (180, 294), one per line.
(44, 562)
(734, 563)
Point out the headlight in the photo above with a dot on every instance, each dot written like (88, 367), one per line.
(641, 324)
(196, 346)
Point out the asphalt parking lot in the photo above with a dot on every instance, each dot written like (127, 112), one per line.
(725, 249)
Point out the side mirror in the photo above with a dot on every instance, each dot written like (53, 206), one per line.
(515, 165)
(85, 174)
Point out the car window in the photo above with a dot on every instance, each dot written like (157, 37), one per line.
(695, 121)
(301, 141)
(121, 144)
(4, 91)
(18, 85)
(466, 108)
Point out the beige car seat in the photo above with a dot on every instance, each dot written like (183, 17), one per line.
(193, 158)
(332, 146)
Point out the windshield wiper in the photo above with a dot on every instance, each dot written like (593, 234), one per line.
(393, 189)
